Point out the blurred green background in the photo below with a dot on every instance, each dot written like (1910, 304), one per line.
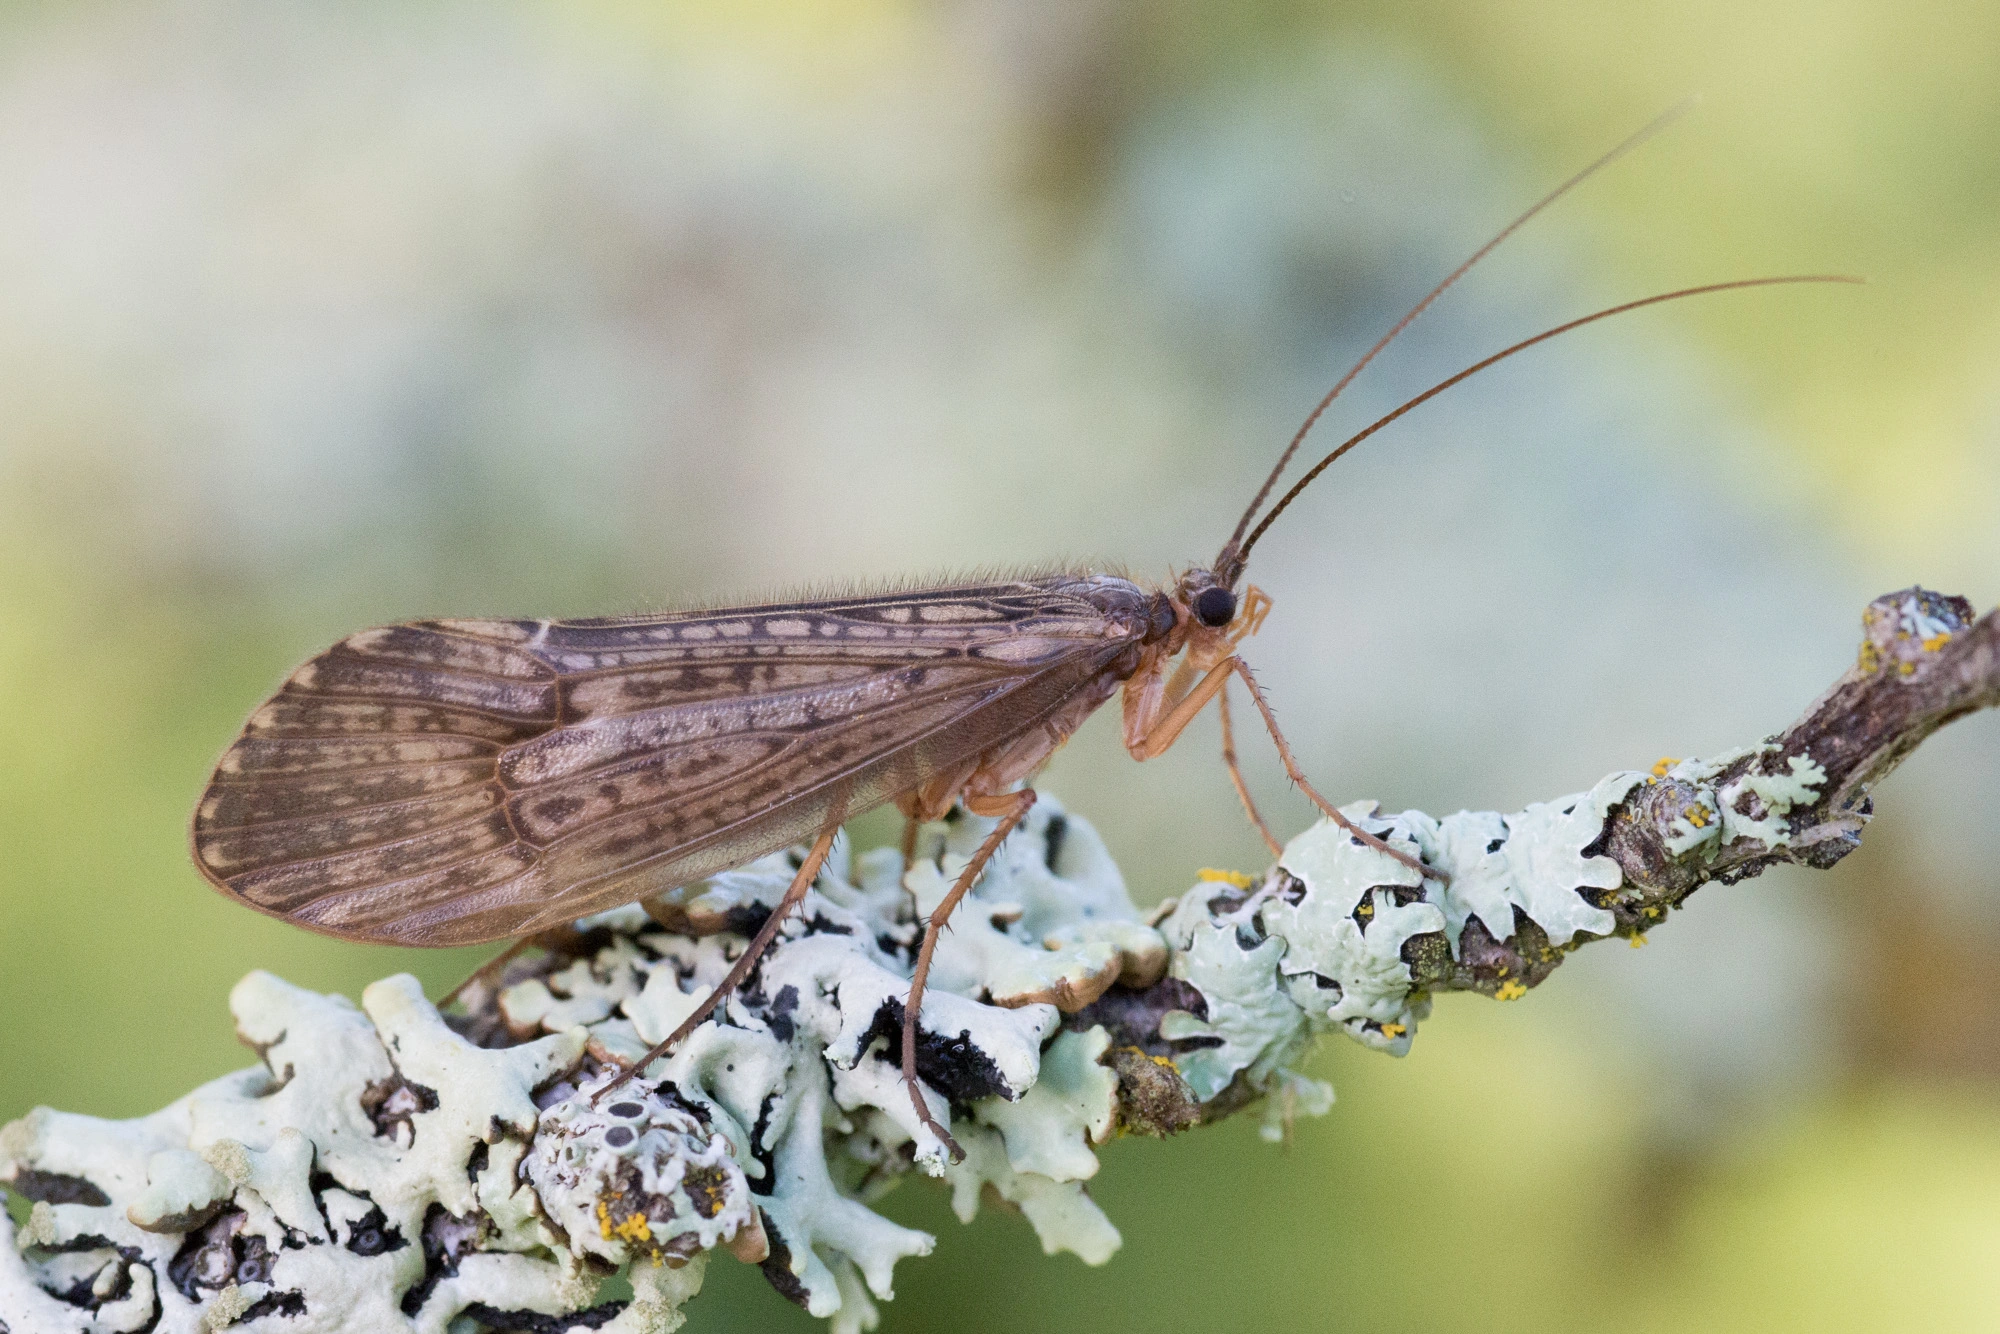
(317, 317)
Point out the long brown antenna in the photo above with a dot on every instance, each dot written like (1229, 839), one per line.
(1507, 352)
(1229, 563)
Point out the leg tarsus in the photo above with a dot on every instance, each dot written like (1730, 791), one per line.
(1011, 808)
(794, 894)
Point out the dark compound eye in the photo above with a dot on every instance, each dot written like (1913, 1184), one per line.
(1214, 607)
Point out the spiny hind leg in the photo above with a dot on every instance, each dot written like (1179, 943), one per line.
(1298, 776)
(794, 895)
(1011, 808)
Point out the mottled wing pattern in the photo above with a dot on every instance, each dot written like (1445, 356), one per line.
(448, 782)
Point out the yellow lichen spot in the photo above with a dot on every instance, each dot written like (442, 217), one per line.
(1653, 913)
(1871, 659)
(634, 1228)
(1937, 641)
(1393, 1030)
(1697, 816)
(1510, 990)
(1501, 971)
(1236, 878)
(1664, 763)
(1638, 939)
(1906, 668)
(1366, 908)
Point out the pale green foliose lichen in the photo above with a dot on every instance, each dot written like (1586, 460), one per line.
(379, 1171)
(1753, 806)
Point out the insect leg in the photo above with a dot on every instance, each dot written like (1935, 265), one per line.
(1298, 776)
(1236, 774)
(1178, 685)
(1155, 736)
(1011, 807)
(1148, 737)
(803, 881)
(909, 840)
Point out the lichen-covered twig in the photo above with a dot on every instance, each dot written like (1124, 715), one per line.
(388, 1168)
(1801, 796)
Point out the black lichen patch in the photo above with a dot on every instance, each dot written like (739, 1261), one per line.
(81, 1293)
(766, 1155)
(289, 1304)
(1194, 1043)
(779, 1014)
(954, 1066)
(1054, 835)
(535, 1322)
(114, 1272)
(447, 1238)
(395, 1102)
(1133, 1017)
(57, 1188)
(777, 1267)
(746, 919)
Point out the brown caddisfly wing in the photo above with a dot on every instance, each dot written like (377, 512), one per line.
(451, 782)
